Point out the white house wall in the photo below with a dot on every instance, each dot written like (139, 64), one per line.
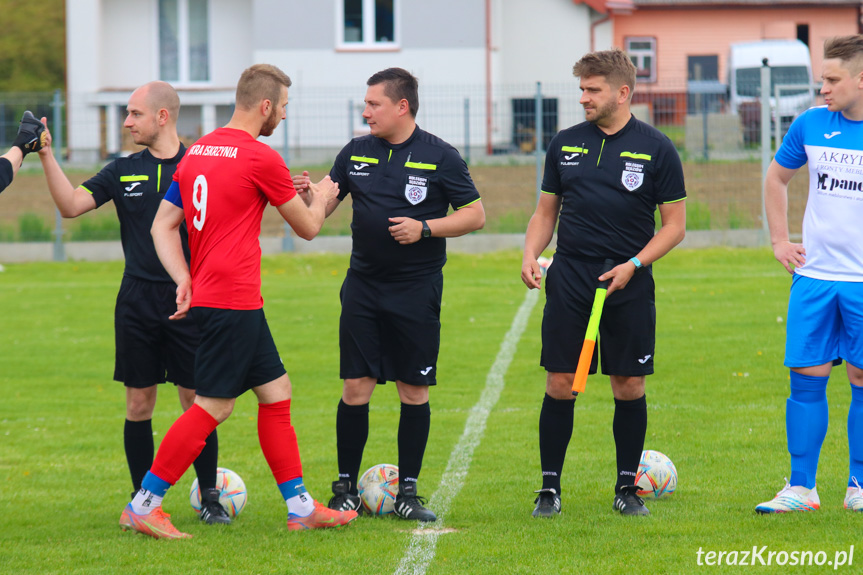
(112, 48)
(324, 86)
(442, 42)
(232, 41)
(83, 54)
(541, 40)
(129, 44)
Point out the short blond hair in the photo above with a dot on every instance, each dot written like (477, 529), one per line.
(260, 82)
(615, 65)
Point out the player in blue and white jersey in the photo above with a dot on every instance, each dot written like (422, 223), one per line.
(825, 307)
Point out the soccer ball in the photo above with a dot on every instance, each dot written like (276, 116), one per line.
(544, 263)
(232, 490)
(656, 475)
(378, 488)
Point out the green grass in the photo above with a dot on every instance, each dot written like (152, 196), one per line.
(716, 404)
(510, 222)
(697, 215)
(96, 228)
(32, 228)
(677, 134)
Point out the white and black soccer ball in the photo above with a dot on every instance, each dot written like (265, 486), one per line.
(232, 492)
(378, 488)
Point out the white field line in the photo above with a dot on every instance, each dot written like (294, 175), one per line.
(421, 549)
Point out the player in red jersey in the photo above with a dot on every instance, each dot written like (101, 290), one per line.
(221, 189)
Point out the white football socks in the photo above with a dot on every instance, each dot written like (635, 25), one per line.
(145, 501)
(301, 504)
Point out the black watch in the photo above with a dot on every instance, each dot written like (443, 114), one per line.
(426, 230)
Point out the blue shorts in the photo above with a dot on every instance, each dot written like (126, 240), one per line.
(825, 322)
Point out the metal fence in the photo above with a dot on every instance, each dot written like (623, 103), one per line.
(503, 133)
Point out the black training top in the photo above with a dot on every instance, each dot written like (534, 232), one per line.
(419, 178)
(611, 186)
(137, 184)
(6, 173)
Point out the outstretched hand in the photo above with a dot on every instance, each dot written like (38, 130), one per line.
(31, 135)
(46, 138)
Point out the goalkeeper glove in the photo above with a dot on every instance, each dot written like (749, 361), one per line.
(31, 134)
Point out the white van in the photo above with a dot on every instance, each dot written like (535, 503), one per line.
(789, 62)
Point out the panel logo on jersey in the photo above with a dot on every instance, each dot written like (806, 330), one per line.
(632, 176)
(839, 173)
(416, 189)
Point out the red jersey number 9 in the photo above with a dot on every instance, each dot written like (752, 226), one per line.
(199, 200)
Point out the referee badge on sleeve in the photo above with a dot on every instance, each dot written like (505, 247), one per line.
(416, 189)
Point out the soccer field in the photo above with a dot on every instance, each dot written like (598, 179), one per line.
(716, 407)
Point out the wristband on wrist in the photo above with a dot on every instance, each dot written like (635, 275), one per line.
(636, 262)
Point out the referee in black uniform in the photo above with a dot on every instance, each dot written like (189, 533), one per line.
(402, 180)
(603, 179)
(150, 349)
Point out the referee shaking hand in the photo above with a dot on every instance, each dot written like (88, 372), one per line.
(402, 181)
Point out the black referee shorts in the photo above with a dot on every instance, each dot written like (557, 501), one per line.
(390, 330)
(150, 348)
(237, 352)
(627, 330)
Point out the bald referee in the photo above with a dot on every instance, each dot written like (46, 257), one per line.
(150, 349)
(604, 178)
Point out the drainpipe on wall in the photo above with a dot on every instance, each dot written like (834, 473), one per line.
(593, 26)
(488, 103)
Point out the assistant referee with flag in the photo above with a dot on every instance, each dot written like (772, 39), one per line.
(604, 179)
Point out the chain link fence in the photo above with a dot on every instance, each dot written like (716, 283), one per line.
(502, 133)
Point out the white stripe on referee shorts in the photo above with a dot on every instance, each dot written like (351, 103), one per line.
(421, 550)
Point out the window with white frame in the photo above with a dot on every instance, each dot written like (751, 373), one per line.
(642, 52)
(367, 24)
(184, 41)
